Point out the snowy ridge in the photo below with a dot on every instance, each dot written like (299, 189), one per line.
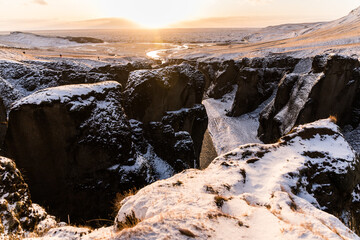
(64, 94)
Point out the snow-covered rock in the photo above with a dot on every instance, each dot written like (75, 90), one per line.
(18, 215)
(20, 79)
(255, 191)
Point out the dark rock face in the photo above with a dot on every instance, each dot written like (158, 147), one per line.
(178, 137)
(254, 87)
(257, 80)
(335, 92)
(223, 79)
(78, 147)
(167, 101)
(306, 97)
(3, 123)
(150, 93)
(69, 140)
(17, 213)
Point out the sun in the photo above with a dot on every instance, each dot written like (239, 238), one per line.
(149, 13)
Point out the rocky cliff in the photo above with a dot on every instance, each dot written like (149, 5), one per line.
(330, 87)
(83, 142)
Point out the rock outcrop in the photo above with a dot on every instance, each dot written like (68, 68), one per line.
(151, 93)
(120, 73)
(232, 192)
(223, 79)
(254, 87)
(75, 145)
(178, 137)
(79, 148)
(18, 215)
(329, 88)
(168, 101)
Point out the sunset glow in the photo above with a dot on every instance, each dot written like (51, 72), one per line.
(54, 14)
(149, 14)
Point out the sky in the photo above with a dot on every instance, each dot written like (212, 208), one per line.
(47, 14)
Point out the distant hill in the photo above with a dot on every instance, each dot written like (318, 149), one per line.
(236, 22)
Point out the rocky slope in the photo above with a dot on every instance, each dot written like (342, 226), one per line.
(230, 199)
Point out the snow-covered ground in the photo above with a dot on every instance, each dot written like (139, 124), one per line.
(230, 132)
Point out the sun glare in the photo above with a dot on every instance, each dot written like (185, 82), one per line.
(150, 14)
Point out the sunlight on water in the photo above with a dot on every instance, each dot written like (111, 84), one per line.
(154, 54)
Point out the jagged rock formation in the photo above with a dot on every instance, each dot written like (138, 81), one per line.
(329, 88)
(120, 73)
(178, 137)
(257, 80)
(18, 215)
(167, 100)
(223, 79)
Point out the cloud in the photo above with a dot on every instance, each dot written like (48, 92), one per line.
(41, 2)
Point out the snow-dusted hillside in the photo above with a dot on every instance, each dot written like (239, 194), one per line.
(28, 40)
